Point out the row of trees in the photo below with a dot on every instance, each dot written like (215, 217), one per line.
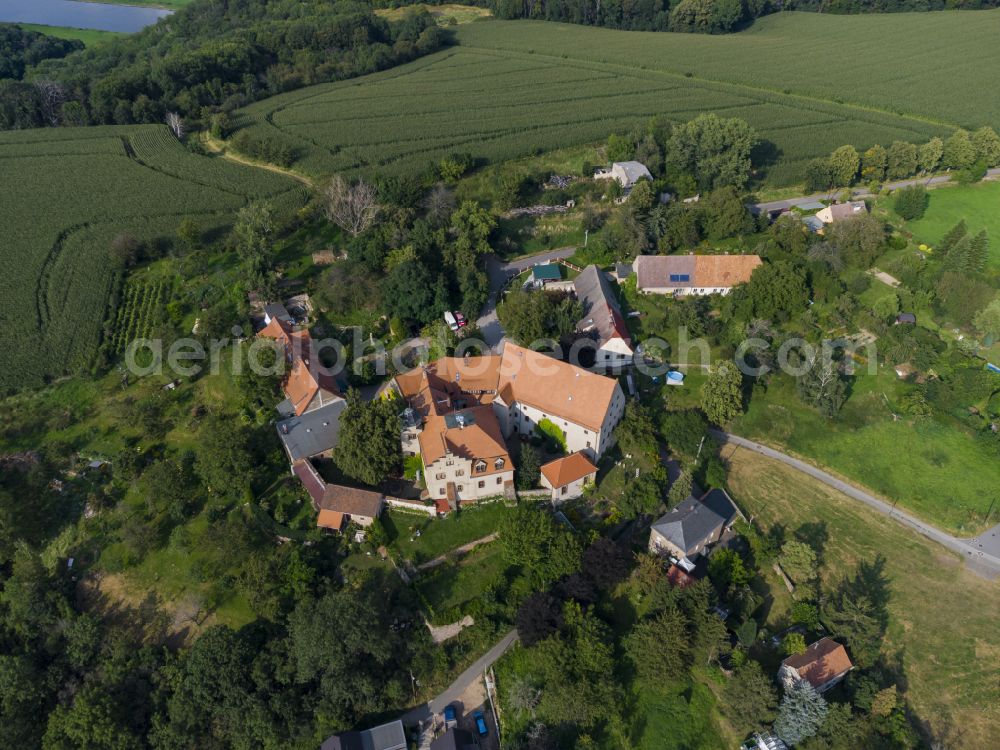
(700, 16)
(964, 151)
(209, 57)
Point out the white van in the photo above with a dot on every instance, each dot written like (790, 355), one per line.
(449, 318)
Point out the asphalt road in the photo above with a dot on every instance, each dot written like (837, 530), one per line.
(862, 192)
(454, 691)
(499, 274)
(982, 553)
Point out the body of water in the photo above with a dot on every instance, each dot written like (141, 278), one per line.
(80, 15)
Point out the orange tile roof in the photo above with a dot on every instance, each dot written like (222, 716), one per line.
(823, 661)
(301, 385)
(330, 519)
(568, 469)
(557, 388)
(479, 438)
(724, 270)
(432, 389)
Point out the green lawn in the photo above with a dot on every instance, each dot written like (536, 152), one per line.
(89, 37)
(438, 536)
(978, 204)
(942, 617)
(682, 720)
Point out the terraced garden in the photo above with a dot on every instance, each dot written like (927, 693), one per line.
(67, 194)
(510, 89)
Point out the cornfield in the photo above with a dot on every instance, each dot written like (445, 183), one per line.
(512, 88)
(68, 193)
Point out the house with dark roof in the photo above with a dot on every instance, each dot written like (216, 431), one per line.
(277, 311)
(906, 318)
(682, 275)
(385, 737)
(567, 476)
(823, 664)
(454, 739)
(689, 529)
(335, 504)
(545, 273)
(603, 319)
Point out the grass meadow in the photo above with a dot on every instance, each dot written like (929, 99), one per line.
(978, 204)
(516, 103)
(942, 626)
(935, 469)
(68, 193)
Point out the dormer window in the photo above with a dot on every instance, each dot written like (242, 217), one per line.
(480, 465)
(498, 464)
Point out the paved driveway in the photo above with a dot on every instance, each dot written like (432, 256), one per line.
(460, 685)
(500, 274)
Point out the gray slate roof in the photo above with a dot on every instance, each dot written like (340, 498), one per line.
(386, 737)
(634, 171)
(601, 311)
(277, 310)
(453, 739)
(314, 432)
(694, 521)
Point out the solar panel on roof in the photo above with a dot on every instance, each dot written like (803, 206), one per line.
(680, 277)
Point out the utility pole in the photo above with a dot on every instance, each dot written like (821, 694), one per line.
(698, 454)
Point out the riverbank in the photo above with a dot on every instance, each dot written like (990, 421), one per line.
(89, 37)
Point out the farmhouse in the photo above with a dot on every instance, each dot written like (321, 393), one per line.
(689, 529)
(337, 505)
(459, 412)
(464, 456)
(602, 318)
(625, 173)
(823, 665)
(567, 476)
(693, 274)
(310, 413)
(840, 211)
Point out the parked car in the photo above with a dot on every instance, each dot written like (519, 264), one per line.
(460, 319)
(449, 318)
(480, 724)
(450, 720)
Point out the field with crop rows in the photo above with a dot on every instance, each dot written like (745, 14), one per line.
(68, 193)
(512, 88)
(140, 309)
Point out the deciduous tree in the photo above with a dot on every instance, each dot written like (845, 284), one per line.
(368, 449)
(722, 394)
(352, 207)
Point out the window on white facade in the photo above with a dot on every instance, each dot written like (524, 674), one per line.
(442, 475)
(499, 480)
(480, 465)
(498, 464)
(460, 473)
(482, 484)
(461, 487)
